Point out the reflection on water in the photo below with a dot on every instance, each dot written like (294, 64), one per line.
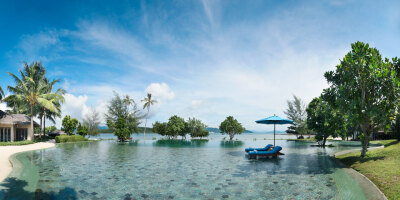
(231, 144)
(180, 169)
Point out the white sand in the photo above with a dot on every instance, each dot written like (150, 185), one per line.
(7, 151)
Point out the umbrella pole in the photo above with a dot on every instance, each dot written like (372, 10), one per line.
(274, 134)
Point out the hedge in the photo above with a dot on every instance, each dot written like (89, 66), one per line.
(70, 138)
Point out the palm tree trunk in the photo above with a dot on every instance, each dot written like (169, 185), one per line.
(41, 120)
(44, 123)
(30, 136)
(145, 124)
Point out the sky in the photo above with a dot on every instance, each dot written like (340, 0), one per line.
(205, 59)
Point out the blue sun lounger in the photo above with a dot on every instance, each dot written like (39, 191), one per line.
(274, 152)
(259, 149)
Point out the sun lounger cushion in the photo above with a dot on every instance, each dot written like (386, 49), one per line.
(259, 149)
(273, 151)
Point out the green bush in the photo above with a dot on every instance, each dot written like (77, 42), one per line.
(25, 142)
(70, 138)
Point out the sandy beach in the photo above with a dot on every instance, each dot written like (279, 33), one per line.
(7, 151)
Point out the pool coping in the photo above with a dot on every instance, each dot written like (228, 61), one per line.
(361, 177)
(9, 167)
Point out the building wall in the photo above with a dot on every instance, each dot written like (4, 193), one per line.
(14, 130)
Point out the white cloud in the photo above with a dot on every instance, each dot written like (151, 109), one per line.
(160, 91)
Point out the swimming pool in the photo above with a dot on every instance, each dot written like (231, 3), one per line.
(165, 169)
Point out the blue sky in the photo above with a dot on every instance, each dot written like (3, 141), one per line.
(203, 59)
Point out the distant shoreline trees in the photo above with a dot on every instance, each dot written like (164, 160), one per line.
(177, 126)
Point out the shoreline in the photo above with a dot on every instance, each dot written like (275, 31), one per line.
(7, 151)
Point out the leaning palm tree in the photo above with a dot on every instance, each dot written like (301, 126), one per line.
(147, 103)
(29, 89)
(1, 93)
(43, 111)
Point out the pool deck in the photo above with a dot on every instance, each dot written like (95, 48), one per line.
(373, 192)
(7, 151)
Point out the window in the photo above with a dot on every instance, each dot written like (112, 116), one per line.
(5, 134)
(22, 134)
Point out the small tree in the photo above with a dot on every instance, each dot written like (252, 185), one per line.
(92, 121)
(231, 127)
(121, 129)
(176, 126)
(51, 129)
(325, 120)
(82, 130)
(69, 124)
(196, 128)
(296, 112)
(160, 128)
(122, 108)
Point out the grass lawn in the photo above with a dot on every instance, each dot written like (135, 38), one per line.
(381, 166)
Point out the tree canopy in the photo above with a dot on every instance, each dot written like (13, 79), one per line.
(366, 87)
(196, 128)
(69, 124)
(231, 127)
(296, 112)
(325, 120)
(176, 126)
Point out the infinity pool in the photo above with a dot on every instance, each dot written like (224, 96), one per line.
(164, 169)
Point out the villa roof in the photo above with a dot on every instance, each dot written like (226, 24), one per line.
(15, 119)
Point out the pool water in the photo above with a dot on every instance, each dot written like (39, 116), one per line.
(168, 169)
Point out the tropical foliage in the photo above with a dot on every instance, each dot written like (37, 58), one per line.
(148, 102)
(296, 112)
(231, 127)
(366, 87)
(32, 91)
(82, 130)
(176, 126)
(1, 93)
(325, 120)
(196, 128)
(160, 128)
(122, 109)
(92, 122)
(69, 124)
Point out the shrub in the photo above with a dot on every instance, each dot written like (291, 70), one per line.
(18, 143)
(70, 138)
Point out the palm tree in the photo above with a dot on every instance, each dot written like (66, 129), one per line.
(1, 93)
(147, 103)
(30, 90)
(43, 112)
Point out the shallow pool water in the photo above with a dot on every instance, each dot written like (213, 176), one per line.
(164, 169)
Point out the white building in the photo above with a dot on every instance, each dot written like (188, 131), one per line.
(15, 127)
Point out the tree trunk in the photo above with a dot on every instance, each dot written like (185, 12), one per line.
(366, 130)
(231, 137)
(41, 123)
(44, 123)
(324, 141)
(31, 136)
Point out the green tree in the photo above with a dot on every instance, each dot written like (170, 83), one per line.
(122, 108)
(366, 88)
(176, 126)
(30, 90)
(92, 121)
(1, 93)
(160, 128)
(325, 120)
(121, 129)
(82, 130)
(196, 128)
(45, 113)
(396, 127)
(296, 112)
(231, 127)
(51, 129)
(69, 124)
(147, 103)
